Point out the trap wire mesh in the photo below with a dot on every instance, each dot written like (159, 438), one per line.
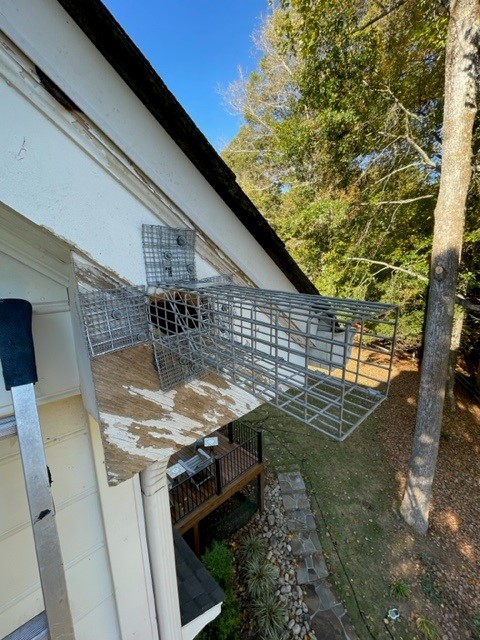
(114, 319)
(325, 361)
(322, 360)
(169, 254)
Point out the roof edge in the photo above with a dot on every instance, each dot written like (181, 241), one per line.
(125, 57)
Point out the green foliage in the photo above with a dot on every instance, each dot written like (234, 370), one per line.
(270, 614)
(400, 589)
(427, 629)
(341, 147)
(227, 625)
(261, 576)
(218, 559)
(252, 548)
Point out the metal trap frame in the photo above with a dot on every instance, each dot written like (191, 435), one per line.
(326, 361)
(322, 360)
(114, 319)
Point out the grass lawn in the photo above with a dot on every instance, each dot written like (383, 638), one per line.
(355, 487)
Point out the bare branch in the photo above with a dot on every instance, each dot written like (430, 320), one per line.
(392, 267)
(400, 104)
(459, 299)
(381, 15)
(413, 164)
(463, 302)
(406, 201)
(426, 158)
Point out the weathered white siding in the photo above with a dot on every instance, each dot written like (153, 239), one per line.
(75, 492)
(80, 197)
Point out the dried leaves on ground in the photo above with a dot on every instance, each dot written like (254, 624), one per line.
(356, 487)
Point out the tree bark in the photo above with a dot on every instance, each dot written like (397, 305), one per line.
(458, 319)
(458, 118)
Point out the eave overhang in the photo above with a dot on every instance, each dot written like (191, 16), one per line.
(125, 57)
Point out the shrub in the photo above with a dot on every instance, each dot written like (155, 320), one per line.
(270, 614)
(261, 576)
(218, 560)
(227, 625)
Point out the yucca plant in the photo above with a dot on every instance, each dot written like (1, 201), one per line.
(270, 614)
(399, 589)
(261, 576)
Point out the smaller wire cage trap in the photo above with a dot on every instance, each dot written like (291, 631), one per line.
(322, 360)
(114, 319)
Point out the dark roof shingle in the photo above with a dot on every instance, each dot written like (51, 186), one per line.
(197, 590)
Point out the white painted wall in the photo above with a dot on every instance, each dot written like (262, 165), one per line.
(82, 537)
(80, 196)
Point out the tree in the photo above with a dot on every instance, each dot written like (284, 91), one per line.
(350, 155)
(340, 148)
(458, 122)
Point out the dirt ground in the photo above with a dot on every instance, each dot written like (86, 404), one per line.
(451, 558)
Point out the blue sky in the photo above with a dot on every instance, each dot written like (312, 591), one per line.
(196, 46)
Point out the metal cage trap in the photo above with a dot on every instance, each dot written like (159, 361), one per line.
(325, 361)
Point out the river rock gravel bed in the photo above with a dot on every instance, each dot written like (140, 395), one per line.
(272, 526)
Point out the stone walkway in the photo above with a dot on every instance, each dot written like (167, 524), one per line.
(329, 619)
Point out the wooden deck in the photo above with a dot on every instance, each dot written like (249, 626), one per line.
(233, 466)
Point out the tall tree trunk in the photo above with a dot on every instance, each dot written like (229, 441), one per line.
(458, 117)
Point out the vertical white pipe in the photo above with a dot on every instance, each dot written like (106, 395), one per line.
(160, 546)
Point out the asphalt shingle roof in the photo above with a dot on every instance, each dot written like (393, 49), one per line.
(197, 590)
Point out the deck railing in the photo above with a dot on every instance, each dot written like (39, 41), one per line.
(190, 493)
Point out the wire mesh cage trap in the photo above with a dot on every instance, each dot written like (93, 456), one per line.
(325, 361)
(114, 319)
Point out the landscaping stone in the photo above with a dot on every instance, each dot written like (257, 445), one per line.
(291, 482)
(301, 520)
(311, 568)
(288, 526)
(294, 501)
(305, 542)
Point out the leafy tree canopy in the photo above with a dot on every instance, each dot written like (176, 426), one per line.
(341, 146)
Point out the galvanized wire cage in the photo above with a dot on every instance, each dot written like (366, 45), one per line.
(323, 360)
(169, 254)
(114, 319)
